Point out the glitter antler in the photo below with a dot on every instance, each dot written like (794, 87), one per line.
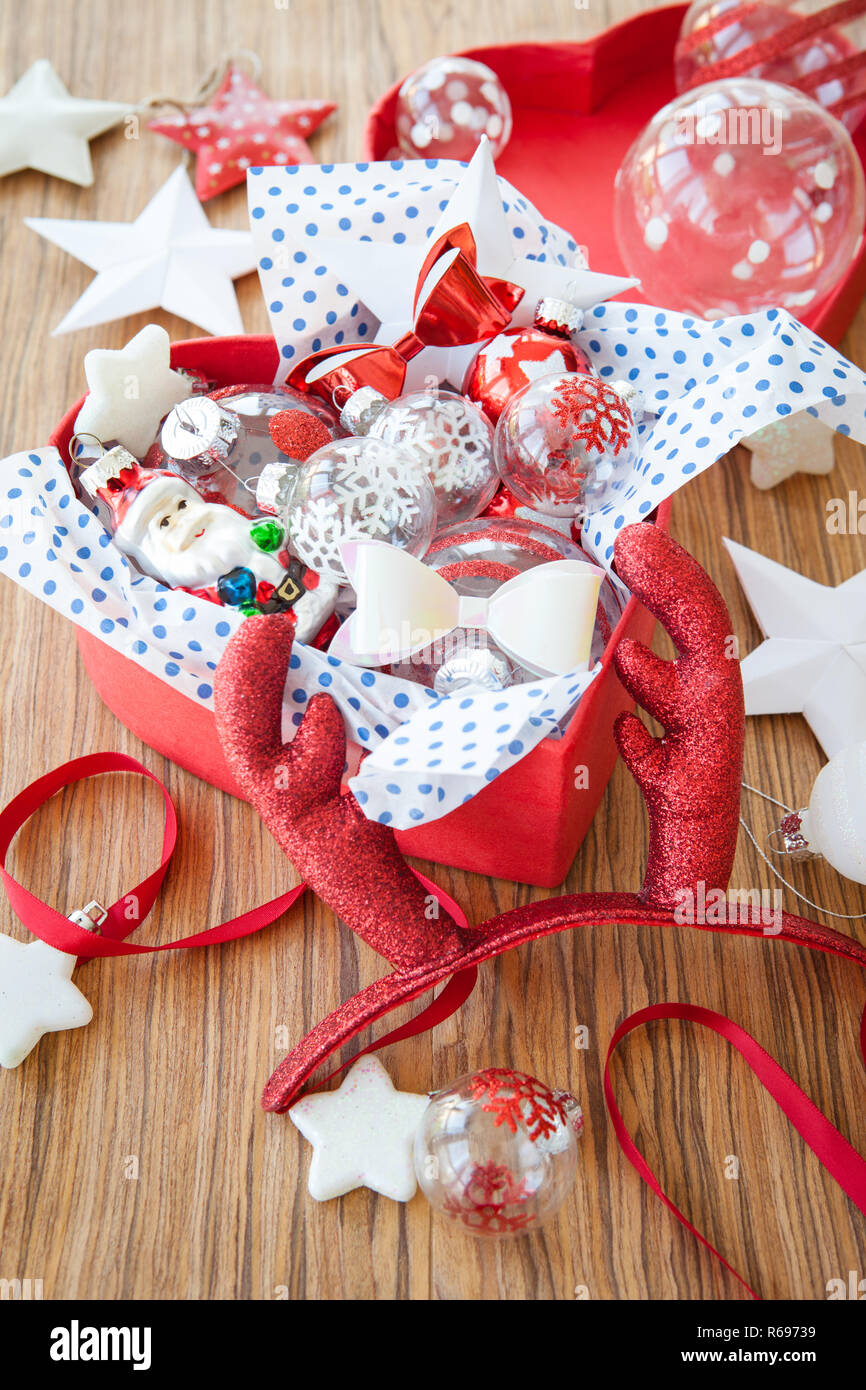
(690, 778)
(351, 862)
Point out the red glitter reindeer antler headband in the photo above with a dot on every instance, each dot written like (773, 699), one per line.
(690, 780)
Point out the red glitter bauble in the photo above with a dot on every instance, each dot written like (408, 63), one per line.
(512, 360)
(298, 433)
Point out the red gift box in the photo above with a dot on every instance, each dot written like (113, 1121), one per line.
(525, 826)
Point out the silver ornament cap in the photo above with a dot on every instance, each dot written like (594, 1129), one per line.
(558, 316)
(361, 409)
(199, 431)
(274, 485)
(99, 473)
(632, 395)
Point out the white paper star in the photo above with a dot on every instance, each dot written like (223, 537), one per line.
(384, 276)
(131, 390)
(37, 996)
(43, 127)
(362, 1135)
(814, 659)
(797, 444)
(170, 257)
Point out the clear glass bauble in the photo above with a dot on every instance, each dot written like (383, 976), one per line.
(707, 38)
(452, 440)
(497, 1152)
(565, 444)
(739, 196)
(358, 488)
(445, 107)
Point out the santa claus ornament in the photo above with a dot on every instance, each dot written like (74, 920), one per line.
(209, 549)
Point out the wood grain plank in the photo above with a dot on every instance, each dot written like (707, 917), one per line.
(169, 1072)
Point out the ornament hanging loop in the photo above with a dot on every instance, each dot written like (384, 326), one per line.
(210, 83)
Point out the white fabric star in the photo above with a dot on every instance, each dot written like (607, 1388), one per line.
(362, 1135)
(131, 390)
(170, 257)
(37, 996)
(814, 659)
(384, 276)
(43, 127)
(797, 444)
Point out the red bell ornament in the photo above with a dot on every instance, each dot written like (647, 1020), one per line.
(518, 356)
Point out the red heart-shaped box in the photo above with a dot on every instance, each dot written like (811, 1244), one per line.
(525, 826)
(577, 108)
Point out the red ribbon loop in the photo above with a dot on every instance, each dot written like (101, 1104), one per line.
(133, 906)
(454, 305)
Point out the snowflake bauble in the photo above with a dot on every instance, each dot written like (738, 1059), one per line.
(566, 444)
(356, 489)
(497, 1151)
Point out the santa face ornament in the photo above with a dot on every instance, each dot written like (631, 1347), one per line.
(179, 538)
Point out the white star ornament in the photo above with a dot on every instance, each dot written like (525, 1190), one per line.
(37, 996)
(813, 661)
(362, 1135)
(131, 391)
(170, 257)
(797, 444)
(43, 127)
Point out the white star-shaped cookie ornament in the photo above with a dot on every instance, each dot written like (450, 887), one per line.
(384, 275)
(362, 1135)
(43, 127)
(797, 444)
(814, 659)
(131, 391)
(170, 257)
(37, 996)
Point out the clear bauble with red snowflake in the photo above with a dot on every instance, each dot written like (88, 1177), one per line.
(567, 444)
(497, 1152)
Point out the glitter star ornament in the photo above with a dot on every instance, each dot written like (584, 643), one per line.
(170, 257)
(385, 275)
(44, 127)
(813, 661)
(241, 126)
(131, 390)
(797, 444)
(37, 996)
(362, 1135)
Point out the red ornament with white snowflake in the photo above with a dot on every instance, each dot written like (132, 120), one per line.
(518, 356)
(241, 126)
(567, 444)
(497, 1151)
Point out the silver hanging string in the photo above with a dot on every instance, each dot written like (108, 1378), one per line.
(828, 912)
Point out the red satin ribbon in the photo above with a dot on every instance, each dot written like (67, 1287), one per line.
(129, 910)
(462, 306)
(829, 1146)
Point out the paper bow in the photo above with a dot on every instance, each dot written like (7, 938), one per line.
(454, 305)
(543, 618)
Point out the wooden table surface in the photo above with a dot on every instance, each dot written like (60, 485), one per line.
(135, 1160)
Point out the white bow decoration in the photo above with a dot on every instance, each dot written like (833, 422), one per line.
(543, 619)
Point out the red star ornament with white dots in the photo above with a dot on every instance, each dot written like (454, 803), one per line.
(242, 126)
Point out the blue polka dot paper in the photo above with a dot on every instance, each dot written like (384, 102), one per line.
(706, 385)
(303, 218)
